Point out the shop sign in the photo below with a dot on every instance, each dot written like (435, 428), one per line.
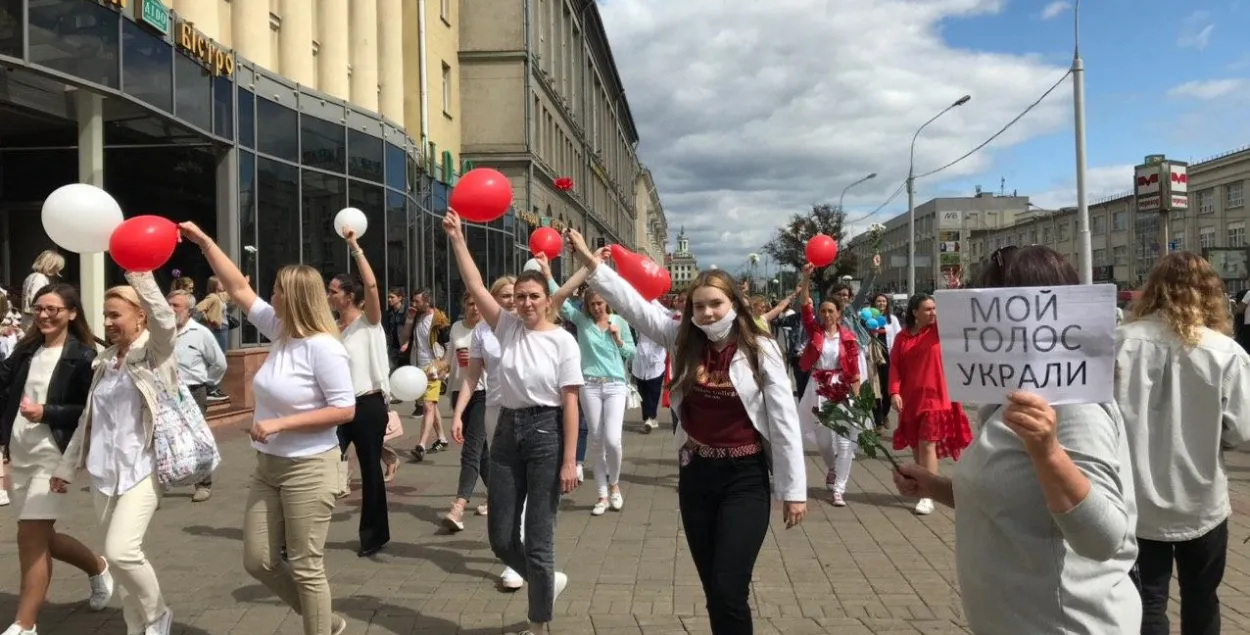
(529, 217)
(215, 58)
(154, 15)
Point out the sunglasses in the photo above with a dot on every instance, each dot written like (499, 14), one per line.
(999, 257)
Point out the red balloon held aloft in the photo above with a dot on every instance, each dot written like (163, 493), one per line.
(546, 240)
(143, 243)
(481, 195)
(649, 279)
(822, 250)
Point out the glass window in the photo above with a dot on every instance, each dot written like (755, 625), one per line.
(437, 262)
(397, 240)
(77, 38)
(277, 220)
(396, 167)
(368, 198)
(417, 243)
(247, 118)
(324, 143)
(279, 130)
(364, 156)
(439, 193)
(11, 27)
(247, 230)
(223, 107)
(324, 196)
(193, 92)
(148, 67)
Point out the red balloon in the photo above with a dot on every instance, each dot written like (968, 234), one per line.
(481, 195)
(546, 240)
(143, 243)
(648, 278)
(822, 250)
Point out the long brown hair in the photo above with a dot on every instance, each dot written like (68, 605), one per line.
(692, 344)
(78, 327)
(1185, 292)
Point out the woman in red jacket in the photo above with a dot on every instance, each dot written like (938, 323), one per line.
(832, 355)
(928, 423)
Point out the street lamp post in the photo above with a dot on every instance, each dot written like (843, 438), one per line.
(911, 196)
(842, 197)
(1085, 250)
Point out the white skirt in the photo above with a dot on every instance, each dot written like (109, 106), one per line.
(810, 422)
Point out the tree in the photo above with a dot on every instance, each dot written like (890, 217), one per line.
(789, 246)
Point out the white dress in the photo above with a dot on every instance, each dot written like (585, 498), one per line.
(829, 355)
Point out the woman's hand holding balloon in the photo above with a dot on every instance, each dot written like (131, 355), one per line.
(452, 226)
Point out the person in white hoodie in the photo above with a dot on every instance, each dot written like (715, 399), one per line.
(1183, 388)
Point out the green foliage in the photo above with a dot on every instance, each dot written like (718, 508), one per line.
(789, 246)
(855, 416)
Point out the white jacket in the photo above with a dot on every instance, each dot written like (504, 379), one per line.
(1181, 406)
(771, 407)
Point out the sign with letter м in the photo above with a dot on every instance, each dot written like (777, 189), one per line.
(1056, 342)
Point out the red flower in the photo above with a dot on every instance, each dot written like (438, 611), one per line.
(834, 389)
(564, 183)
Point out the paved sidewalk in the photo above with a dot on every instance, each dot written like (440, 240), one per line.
(872, 567)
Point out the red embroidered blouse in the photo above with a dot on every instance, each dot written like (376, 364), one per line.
(711, 412)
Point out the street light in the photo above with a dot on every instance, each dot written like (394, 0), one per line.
(1084, 250)
(843, 196)
(911, 196)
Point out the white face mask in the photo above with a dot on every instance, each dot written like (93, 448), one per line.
(719, 330)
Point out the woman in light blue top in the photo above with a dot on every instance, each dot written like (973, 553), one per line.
(606, 344)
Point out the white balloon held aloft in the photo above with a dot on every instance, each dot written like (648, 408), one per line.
(532, 265)
(408, 383)
(81, 218)
(353, 219)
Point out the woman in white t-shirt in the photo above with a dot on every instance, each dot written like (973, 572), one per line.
(359, 309)
(474, 462)
(533, 455)
(303, 392)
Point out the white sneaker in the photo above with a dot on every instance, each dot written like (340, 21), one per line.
(18, 630)
(924, 507)
(162, 625)
(511, 580)
(649, 425)
(561, 582)
(599, 509)
(4, 501)
(616, 501)
(338, 624)
(101, 589)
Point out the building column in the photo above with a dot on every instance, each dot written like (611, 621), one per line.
(89, 108)
(333, 55)
(249, 24)
(295, 42)
(201, 14)
(364, 58)
(391, 59)
(228, 226)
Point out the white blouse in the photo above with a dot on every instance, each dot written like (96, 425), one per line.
(535, 366)
(367, 357)
(119, 457)
(32, 446)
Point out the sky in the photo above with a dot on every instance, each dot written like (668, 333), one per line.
(750, 111)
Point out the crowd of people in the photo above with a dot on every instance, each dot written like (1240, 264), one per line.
(1081, 508)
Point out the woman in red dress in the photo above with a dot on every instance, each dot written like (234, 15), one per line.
(928, 423)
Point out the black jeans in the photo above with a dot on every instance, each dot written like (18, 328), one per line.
(881, 412)
(725, 505)
(800, 377)
(1199, 571)
(650, 390)
(474, 462)
(366, 431)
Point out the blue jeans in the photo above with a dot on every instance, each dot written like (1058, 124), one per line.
(582, 433)
(525, 460)
(222, 335)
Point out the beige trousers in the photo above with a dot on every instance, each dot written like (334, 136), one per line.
(125, 520)
(289, 505)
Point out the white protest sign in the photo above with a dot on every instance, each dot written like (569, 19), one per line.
(1056, 342)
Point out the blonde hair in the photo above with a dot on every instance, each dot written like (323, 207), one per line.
(692, 344)
(1185, 292)
(50, 263)
(215, 285)
(127, 294)
(305, 312)
(183, 283)
(500, 283)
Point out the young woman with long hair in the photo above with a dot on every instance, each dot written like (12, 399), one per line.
(474, 462)
(43, 388)
(735, 419)
(214, 308)
(1183, 388)
(304, 392)
(534, 450)
(114, 440)
(358, 305)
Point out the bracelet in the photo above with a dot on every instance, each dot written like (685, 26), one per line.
(356, 253)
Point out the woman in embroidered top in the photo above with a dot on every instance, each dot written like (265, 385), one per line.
(114, 441)
(1046, 495)
(359, 308)
(304, 392)
(735, 410)
(1183, 387)
(928, 423)
(43, 389)
(832, 355)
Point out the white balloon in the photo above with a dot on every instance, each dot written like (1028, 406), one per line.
(353, 219)
(408, 383)
(80, 218)
(532, 265)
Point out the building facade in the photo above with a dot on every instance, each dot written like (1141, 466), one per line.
(431, 41)
(683, 267)
(541, 99)
(650, 223)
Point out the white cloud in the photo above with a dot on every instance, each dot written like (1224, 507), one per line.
(752, 111)
(1100, 182)
(1208, 89)
(1055, 9)
(1196, 31)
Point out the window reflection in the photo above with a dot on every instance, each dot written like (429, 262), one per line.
(193, 96)
(438, 197)
(247, 119)
(397, 240)
(278, 128)
(368, 198)
(223, 107)
(396, 167)
(11, 27)
(325, 143)
(324, 196)
(77, 38)
(277, 220)
(436, 263)
(364, 156)
(247, 231)
(147, 71)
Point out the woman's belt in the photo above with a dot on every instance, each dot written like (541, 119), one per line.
(712, 452)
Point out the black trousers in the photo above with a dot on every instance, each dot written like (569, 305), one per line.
(800, 378)
(365, 431)
(1199, 571)
(725, 506)
(650, 390)
(881, 412)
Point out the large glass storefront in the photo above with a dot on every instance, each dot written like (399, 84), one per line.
(211, 138)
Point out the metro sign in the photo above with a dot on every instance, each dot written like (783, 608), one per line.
(1177, 177)
(1153, 179)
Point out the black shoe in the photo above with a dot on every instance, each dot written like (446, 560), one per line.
(217, 395)
(418, 454)
(370, 551)
(439, 446)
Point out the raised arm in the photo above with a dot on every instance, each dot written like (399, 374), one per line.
(235, 283)
(804, 290)
(486, 303)
(162, 323)
(560, 294)
(373, 302)
(781, 307)
(654, 323)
